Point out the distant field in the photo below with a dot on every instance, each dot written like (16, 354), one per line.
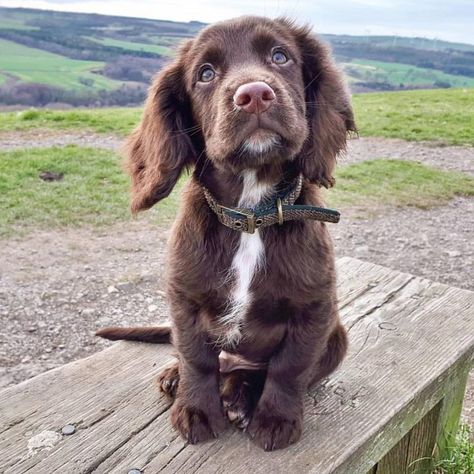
(424, 44)
(400, 75)
(127, 50)
(14, 23)
(443, 115)
(132, 46)
(35, 65)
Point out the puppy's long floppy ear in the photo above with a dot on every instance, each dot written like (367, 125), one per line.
(159, 150)
(329, 109)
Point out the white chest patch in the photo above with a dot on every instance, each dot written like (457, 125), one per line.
(247, 260)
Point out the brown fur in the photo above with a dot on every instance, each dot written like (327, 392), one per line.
(292, 326)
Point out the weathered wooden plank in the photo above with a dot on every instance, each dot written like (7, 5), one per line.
(419, 458)
(394, 462)
(107, 397)
(399, 363)
(450, 412)
(413, 454)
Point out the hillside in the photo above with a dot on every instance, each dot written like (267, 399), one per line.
(88, 59)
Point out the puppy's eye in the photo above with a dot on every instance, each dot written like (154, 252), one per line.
(279, 57)
(207, 74)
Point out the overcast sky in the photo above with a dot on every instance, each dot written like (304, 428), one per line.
(444, 19)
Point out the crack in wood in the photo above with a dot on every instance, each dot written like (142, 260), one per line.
(95, 465)
(390, 296)
(153, 454)
(174, 456)
(106, 414)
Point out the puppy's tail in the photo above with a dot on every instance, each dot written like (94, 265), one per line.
(155, 334)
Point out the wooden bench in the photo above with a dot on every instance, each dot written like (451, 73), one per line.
(393, 404)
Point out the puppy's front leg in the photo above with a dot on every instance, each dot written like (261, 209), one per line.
(278, 419)
(196, 413)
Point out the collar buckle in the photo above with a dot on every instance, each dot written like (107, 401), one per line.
(238, 224)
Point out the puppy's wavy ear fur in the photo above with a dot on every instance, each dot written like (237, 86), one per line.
(159, 150)
(329, 110)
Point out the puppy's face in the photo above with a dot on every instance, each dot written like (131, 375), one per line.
(246, 86)
(245, 93)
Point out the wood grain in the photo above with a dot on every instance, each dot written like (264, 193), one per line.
(410, 339)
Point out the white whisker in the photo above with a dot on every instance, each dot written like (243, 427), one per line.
(259, 145)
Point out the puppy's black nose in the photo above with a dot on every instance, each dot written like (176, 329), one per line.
(254, 97)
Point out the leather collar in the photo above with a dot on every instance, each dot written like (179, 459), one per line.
(276, 209)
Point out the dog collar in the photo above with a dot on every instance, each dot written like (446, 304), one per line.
(277, 209)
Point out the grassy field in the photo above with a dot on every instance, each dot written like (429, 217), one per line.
(35, 65)
(437, 115)
(118, 120)
(396, 183)
(14, 23)
(94, 188)
(398, 74)
(442, 115)
(132, 46)
(372, 62)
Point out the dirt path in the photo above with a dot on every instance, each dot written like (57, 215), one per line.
(57, 287)
(49, 138)
(457, 158)
(359, 149)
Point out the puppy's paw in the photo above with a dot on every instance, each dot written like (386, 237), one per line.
(272, 432)
(238, 402)
(196, 424)
(168, 380)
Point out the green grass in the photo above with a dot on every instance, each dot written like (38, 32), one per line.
(36, 65)
(170, 41)
(15, 24)
(405, 74)
(94, 190)
(132, 46)
(377, 183)
(117, 120)
(442, 115)
(461, 459)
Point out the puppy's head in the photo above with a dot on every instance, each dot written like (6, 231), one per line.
(245, 93)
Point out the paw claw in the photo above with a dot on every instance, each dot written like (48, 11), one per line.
(168, 380)
(239, 396)
(196, 424)
(272, 432)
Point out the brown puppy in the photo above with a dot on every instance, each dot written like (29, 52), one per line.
(255, 106)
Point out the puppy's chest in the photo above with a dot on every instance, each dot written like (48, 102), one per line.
(248, 260)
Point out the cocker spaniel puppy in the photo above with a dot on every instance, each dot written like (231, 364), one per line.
(259, 112)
